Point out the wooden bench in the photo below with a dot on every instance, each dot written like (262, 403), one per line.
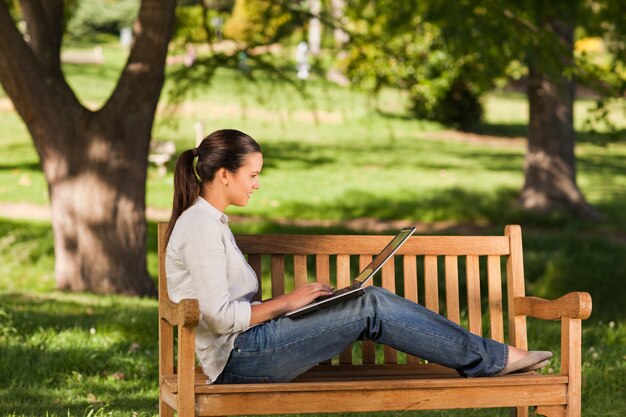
(367, 378)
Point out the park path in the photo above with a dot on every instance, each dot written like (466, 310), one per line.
(28, 211)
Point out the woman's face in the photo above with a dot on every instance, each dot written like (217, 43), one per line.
(243, 182)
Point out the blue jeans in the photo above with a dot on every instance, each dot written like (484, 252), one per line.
(281, 349)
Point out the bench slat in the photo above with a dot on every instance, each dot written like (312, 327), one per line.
(322, 269)
(409, 264)
(431, 285)
(254, 260)
(452, 289)
(389, 283)
(515, 287)
(372, 245)
(300, 270)
(368, 351)
(494, 282)
(322, 274)
(472, 268)
(278, 275)
(343, 271)
(343, 280)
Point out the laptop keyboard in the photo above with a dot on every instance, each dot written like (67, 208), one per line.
(337, 292)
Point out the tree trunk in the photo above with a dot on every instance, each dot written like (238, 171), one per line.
(97, 195)
(95, 162)
(550, 163)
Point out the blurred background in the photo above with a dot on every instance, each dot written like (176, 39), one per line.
(458, 117)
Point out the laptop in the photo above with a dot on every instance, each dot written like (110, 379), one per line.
(358, 285)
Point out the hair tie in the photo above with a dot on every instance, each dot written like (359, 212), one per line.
(195, 152)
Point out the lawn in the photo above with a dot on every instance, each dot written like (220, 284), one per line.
(86, 355)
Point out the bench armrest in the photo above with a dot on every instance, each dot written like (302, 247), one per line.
(186, 313)
(574, 305)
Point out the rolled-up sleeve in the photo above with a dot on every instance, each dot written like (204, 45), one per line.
(204, 255)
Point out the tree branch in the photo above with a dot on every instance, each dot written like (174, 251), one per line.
(139, 86)
(33, 89)
(44, 24)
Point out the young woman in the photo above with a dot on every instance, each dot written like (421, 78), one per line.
(242, 342)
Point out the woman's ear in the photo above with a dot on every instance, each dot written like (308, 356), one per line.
(223, 175)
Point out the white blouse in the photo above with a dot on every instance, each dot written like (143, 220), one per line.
(203, 262)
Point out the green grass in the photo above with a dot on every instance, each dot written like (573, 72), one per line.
(352, 162)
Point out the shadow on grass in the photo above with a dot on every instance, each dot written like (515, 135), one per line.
(66, 382)
(505, 130)
(453, 204)
(517, 130)
(404, 154)
(25, 166)
(21, 157)
(610, 166)
(59, 312)
(64, 352)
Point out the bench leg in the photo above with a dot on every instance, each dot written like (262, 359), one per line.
(519, 412)
(165, 410)
(571, 363)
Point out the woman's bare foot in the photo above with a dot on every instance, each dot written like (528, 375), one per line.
(522, 361)
(516, 354)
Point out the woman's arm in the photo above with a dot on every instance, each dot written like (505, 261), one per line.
(299, 297)
(203, 254)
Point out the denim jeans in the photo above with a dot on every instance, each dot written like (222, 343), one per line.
(281, 349)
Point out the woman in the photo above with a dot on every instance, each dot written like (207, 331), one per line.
(242, 342)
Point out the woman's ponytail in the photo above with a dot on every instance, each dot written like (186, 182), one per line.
(186, 188)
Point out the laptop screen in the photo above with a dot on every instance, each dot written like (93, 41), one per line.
(387, 251)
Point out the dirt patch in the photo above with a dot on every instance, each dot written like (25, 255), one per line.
(216, 110)
(475, 138)
(6, 105)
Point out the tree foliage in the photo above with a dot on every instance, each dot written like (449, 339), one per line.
(103, 16)
(259, 22)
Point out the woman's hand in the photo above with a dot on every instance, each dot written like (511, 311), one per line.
(305, 294)
(299, 297)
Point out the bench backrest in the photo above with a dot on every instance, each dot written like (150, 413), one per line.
(432, 270)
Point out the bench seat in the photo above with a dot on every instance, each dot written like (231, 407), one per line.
(326, 389)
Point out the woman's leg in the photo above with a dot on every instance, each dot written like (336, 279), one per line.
(281, 349)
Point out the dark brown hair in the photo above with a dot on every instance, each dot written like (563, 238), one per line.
(225, 148)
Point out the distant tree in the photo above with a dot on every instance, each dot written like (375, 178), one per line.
(433, 48)
(95, 162)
